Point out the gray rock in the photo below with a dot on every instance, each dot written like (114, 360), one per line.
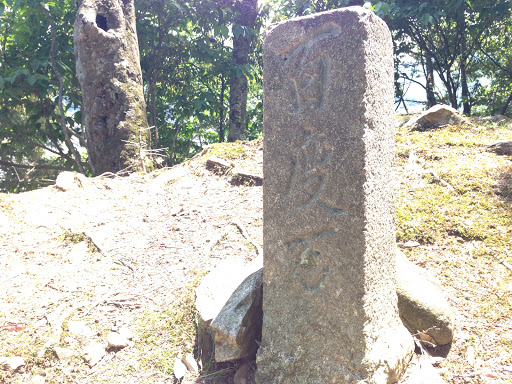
(218, 165)
(497, 119)
(70, 180)
(422, 304)
(248, 179)
(116, 340)
(503, 148)
(437, 116)
(217, 287)
(220, 305)
(93, 353)
(126, 332)
(330, 303)
(237, 327)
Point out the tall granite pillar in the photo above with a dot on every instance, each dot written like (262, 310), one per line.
(330, 304)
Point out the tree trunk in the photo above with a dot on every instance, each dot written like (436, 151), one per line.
(108, 68)
(466, 102)
(221, 108)
(429, 75)
(248, 11)
(507, 103)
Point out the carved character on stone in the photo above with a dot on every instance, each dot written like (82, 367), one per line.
(310, 173)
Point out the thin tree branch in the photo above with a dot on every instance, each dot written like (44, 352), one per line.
(48, 167)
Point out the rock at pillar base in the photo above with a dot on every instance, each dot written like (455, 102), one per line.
(329, 296)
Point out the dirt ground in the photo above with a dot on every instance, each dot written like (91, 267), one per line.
(148, 237)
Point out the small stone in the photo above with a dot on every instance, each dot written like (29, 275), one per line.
(190, 363)
(422, 304)
(179, 369)
(238, 324)
(68, 180)
(218, 165)
(247, 179)
(11, 364)
(503, 148)
(409, 244)
(116, 340)
(126, 332)
(64, 353)
(93, 353)
(437, 116)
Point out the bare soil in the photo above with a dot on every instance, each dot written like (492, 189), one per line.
(149, 236)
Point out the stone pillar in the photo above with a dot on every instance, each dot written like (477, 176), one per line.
(329, 297)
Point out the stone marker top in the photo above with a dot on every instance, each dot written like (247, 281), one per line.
(330, 304)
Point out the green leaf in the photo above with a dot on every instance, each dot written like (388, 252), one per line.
(237, 31)
(2, 82)
(426, 19)
(2, 9)
(224, 30)
(12, 79)
(31, 79)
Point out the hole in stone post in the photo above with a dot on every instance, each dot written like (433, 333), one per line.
(101, 21)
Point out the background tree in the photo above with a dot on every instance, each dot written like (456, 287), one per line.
(108, 68)
(243, 35)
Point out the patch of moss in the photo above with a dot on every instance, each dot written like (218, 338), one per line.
(162, 335)
(227, 151)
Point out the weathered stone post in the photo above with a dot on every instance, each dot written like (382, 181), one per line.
(329, 297)
(108, 68)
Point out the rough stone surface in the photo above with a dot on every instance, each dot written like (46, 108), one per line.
(218, 165)
(237, 327)
(422, 304)
(437, 116)
(329, 303)
(244, 178)
(228, 302)
(116, 340)
(68, 180)
(503, 148)
(217, 287)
